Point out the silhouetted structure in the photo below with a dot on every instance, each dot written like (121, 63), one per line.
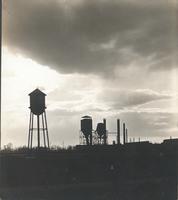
(105, 132)
(86, 129)
(100, 129)
(100, 135)
(118, 131)
(37, 108)
(102, 132)
(124, 135)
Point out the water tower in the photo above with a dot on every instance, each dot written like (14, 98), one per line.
(86, 129)
(38, 114)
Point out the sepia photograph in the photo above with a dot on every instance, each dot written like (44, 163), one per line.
(88, 100)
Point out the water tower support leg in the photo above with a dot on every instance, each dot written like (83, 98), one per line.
(46, 129)
(29, 132)
(38, 129)
(43, 131)
(91, 139)
(87, 140)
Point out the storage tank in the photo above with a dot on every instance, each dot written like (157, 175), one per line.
(102, 133)
(86, 128)
(37, 102)
(100, 129)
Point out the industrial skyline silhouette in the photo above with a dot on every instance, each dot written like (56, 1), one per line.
(109, 69)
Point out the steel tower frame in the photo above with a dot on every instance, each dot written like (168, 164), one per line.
(38, 129)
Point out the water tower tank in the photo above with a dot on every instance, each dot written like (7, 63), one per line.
(37, 102)
(86, 125)
(100, 129)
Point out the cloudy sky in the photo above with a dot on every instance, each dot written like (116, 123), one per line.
(105, 58)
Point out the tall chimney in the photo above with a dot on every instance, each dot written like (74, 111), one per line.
(105, 136)
(124, 133)
(118, 131)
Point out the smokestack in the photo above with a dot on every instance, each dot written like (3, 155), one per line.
(105, 136)
(118, 131)
(124, 133)
(91, 137)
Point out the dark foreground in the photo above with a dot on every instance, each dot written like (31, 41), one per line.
(149, 190)
(140, 171)
(64, 192)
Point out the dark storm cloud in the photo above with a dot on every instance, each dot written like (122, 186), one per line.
(92, 36)
(119, 99)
